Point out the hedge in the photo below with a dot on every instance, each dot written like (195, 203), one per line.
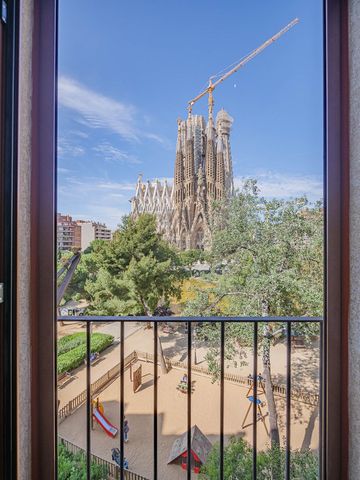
(69, 342)
(73, 358)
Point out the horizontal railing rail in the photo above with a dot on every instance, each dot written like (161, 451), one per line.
(175, 319)
(118, 370)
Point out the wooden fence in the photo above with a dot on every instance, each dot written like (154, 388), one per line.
(96, 387)
(303, 396)
(113, 471)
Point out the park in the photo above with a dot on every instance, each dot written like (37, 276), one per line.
(172, 400)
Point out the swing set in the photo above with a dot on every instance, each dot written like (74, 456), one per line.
(260, 404)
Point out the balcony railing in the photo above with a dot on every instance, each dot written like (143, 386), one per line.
(287, 392)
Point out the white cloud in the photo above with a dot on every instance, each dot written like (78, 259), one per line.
(65, 148)
(111, 153)
(96, 199)
(79, 133)
(281, 185)
(95, 110)
(125, 186)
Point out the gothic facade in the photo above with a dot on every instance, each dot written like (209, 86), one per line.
(203, 173)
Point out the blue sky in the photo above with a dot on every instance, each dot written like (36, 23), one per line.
(128, 69)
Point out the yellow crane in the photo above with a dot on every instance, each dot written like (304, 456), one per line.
(211, 87)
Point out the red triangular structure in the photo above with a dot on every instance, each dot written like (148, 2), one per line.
(200, 449)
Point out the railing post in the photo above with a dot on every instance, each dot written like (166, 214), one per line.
(255, 382)
(88, 402)
(288, 403)
(122, 409)
(155, 422)
(189, 403)
(222, 369)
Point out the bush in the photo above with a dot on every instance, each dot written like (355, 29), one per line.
(270, 463)
(73, 358)
(73, 466)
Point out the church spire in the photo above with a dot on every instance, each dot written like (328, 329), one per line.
(220, 170)
(210, 159)
(179, 170)
(189, 161)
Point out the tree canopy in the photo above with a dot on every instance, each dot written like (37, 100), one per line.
(273, 251)
(131, 274)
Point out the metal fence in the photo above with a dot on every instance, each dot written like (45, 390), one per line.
(286, 391)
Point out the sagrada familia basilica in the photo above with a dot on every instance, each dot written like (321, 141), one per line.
(203, 174)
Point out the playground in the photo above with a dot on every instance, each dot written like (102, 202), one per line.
(172, 418)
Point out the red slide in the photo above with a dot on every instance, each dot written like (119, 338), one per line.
(104, 423)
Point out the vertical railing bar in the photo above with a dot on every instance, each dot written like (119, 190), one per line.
(255, 379)
(88, 402)
(321, 404)
(222, 369)
(155, 398)
(122, 409)
(189, 402)
(288, 403)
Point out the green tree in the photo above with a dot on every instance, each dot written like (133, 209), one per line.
(137, 271)
(189, 257)
(273, 251)
(134, 273)
(87, 270)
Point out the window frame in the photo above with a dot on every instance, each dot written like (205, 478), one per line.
(8, 151)
(43, 234)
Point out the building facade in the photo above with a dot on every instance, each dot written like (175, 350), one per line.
(78, 234)
(68, 233)
(91, 231)
(202, 174)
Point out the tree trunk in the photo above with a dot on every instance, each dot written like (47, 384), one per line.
(273, 418)
(162, 358)
(160, 349)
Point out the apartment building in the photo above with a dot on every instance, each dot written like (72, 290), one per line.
(78, 234)
(68, 233)
(91, 231)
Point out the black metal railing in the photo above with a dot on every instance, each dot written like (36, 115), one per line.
(254, 321)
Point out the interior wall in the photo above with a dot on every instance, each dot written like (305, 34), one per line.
(354, 326)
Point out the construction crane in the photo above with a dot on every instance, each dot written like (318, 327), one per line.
(211, 87)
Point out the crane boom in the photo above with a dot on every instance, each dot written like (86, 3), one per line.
(211, 87)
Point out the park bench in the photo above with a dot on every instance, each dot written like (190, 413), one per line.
(63, 379)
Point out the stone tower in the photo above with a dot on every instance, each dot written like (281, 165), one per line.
(203, 174)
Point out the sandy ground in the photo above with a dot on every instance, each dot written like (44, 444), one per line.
(172, 419)
(304, 362)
